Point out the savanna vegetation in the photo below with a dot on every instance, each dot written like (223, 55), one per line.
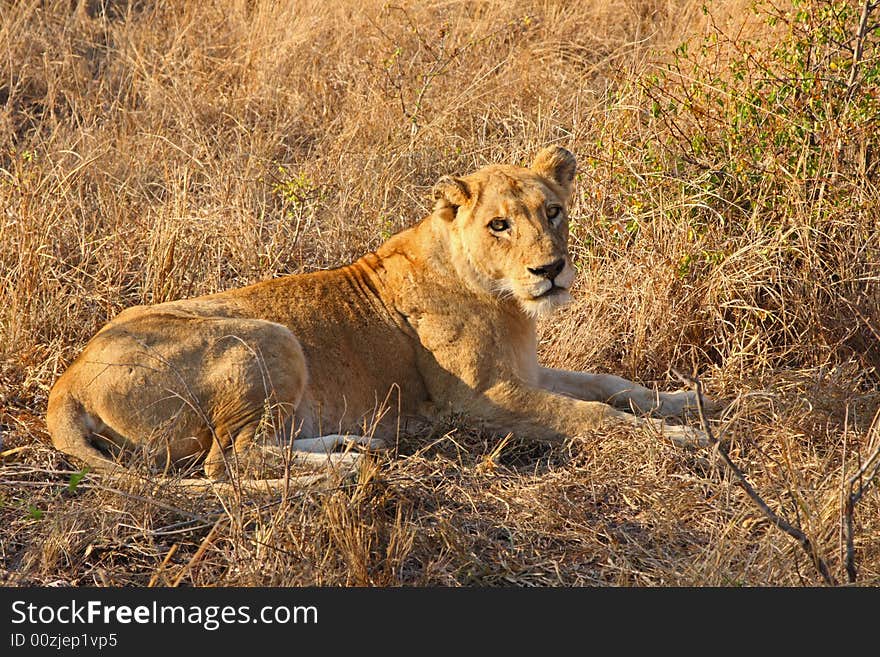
(726, 224)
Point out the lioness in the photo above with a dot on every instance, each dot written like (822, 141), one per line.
(441, 318)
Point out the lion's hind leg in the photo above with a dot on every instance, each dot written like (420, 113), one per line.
(337, 452)
(327, 444)
(314, 454)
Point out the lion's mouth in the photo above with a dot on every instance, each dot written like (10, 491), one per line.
(553, 290)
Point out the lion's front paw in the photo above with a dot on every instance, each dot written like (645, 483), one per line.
(676, 403)
(683, 436)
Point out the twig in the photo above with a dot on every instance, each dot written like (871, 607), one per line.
(861, 34)
(155, 577)
(777, 520)
(871, 468)
(199, 553)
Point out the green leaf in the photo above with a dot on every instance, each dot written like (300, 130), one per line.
(75, 478)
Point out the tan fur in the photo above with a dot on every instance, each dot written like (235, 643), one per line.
(440, 319)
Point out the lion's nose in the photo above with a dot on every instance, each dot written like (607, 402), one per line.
(549, 271)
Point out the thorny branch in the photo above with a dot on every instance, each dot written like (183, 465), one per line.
(779, 521)
(865, 476)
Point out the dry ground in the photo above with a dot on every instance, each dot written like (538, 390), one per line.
(152, 150)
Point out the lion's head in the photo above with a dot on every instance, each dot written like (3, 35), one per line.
(508, 229)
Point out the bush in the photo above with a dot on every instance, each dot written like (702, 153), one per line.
(765, 135)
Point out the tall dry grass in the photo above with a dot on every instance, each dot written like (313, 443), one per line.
(153, 150)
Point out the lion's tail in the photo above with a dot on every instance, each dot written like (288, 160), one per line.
(71, 429)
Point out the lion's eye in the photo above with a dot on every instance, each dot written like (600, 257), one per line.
(499, 225)
(553, 212)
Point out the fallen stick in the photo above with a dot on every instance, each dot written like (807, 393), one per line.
(198, 555)
(155, 578)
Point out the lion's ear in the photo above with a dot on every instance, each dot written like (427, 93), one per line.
(449, 194)
(557, 164)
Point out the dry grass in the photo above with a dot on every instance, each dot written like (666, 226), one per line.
(152, 150)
